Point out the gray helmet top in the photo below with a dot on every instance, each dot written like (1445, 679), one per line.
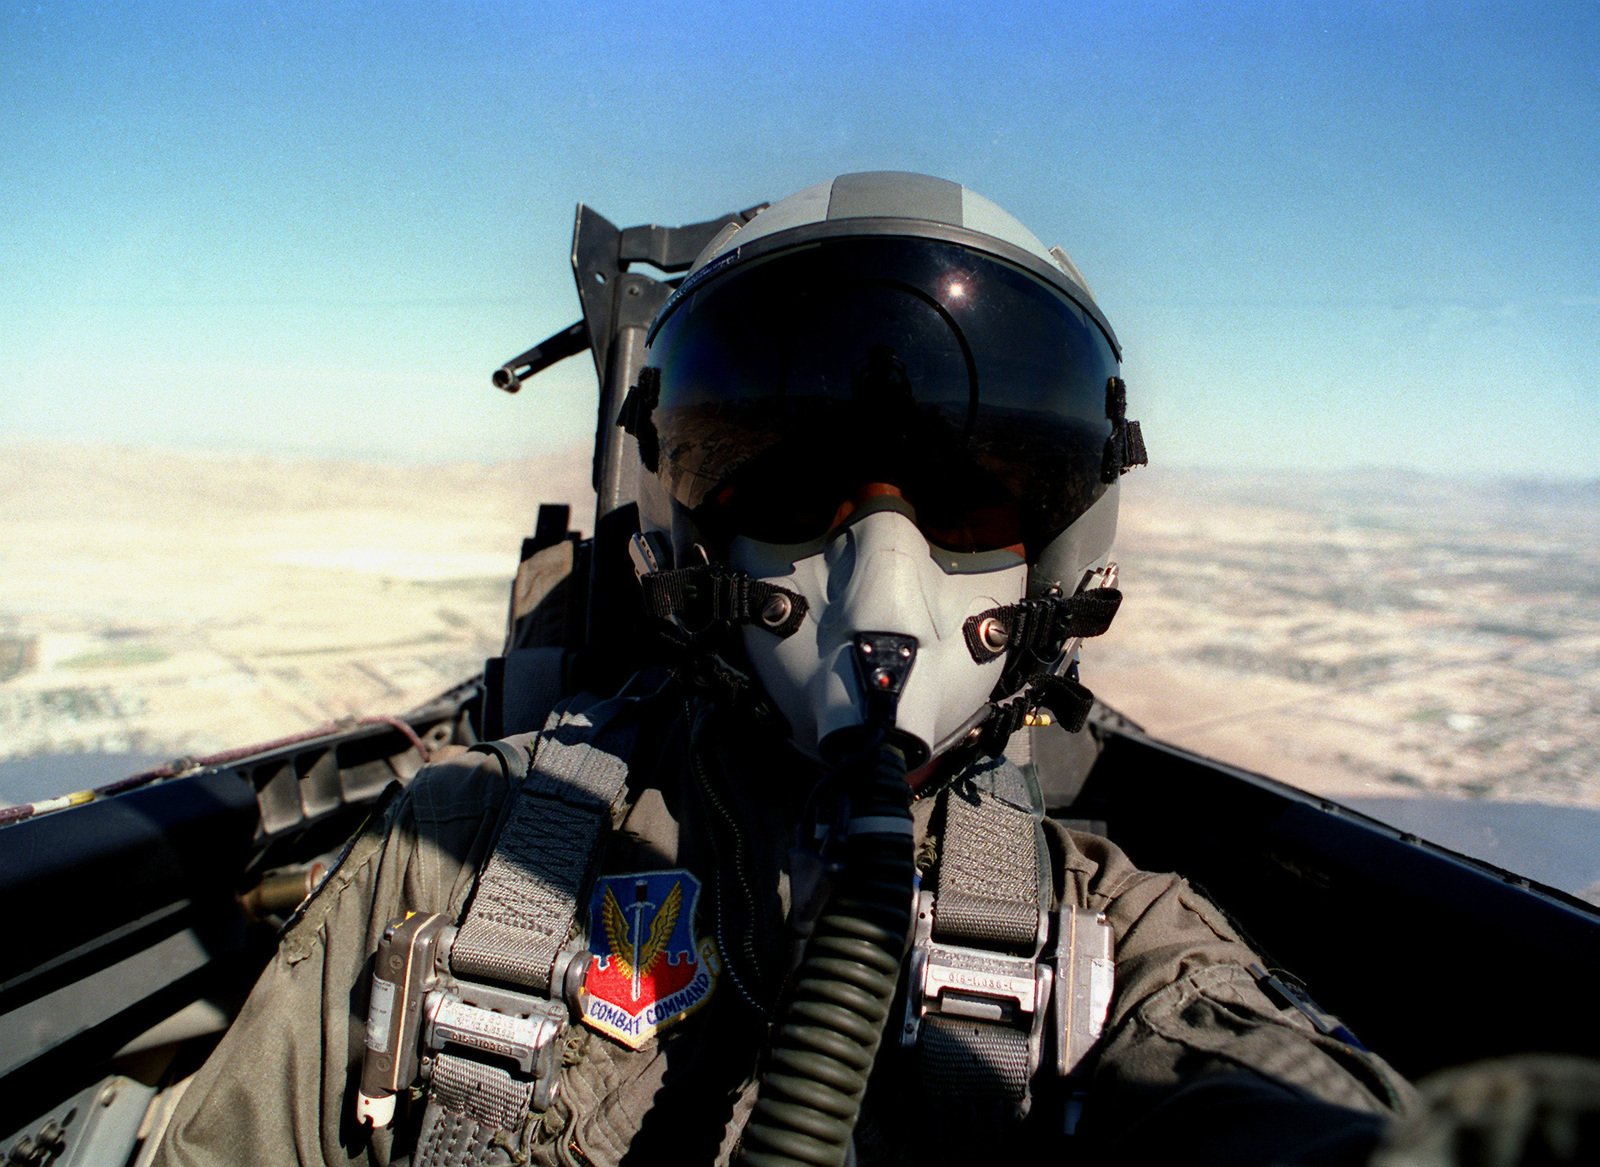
(883, 394)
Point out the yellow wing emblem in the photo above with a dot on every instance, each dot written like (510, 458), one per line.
(616, 925)
(661, 928)
(616, 932)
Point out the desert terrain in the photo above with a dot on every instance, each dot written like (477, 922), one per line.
(1372, 636)
(171, 605)
(1366, 634)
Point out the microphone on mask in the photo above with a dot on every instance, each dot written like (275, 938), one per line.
(882, 664)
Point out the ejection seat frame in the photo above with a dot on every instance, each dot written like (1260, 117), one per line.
(575, 618)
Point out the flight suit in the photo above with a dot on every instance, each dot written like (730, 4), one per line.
(1196, 1063)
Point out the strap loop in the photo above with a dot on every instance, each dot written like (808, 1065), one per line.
(1042, 626)
(711, 595)
(1125, 446)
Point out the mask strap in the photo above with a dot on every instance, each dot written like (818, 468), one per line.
(1041, 627)
(696, 599)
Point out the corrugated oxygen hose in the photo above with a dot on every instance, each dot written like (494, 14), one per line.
(823, 1050)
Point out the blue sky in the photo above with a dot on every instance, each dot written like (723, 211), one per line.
(1328, 235)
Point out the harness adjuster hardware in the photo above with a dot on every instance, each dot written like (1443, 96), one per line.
(1083, 952)
(975, 984)
(516, 1028)
(969, 982)
(420, 1010)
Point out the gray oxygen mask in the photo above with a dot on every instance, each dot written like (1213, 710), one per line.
(882, 637)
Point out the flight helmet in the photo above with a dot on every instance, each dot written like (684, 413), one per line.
(881, 429)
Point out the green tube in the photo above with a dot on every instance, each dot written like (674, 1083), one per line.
(822, 1051)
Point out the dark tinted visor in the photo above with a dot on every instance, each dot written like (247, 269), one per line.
(974, 387)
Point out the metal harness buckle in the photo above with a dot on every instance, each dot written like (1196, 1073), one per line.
(420, 1010)
(515, 1027)
(979, 984)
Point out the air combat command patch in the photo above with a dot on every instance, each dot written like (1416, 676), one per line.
(649, 969)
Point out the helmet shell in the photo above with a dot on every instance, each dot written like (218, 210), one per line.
(804, 675)
(890, 202)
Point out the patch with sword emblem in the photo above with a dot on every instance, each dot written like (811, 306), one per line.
(649, 969)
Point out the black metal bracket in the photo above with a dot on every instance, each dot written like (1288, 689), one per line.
(618, 307)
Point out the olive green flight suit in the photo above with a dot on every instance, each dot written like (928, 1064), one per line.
(1196, 1065)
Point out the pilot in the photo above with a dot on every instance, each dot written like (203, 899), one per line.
(790, 895)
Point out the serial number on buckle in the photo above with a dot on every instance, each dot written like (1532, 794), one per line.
(518, 1029)
(985, 986)
(519, 1039)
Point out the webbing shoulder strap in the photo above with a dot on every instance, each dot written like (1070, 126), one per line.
(988, 924)
(994, 871)
(523, 907)
(516, 928)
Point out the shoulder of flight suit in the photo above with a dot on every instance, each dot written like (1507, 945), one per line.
(278, 1088)
(1197, 1064)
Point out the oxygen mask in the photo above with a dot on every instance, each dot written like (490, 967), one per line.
(882, 646)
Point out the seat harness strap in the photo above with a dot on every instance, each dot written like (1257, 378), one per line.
(976, 976)
(993, 971)
(522, 910)
(505, 977)
(999, 986)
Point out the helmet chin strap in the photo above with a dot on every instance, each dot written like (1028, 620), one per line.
(1040, 629)
(696, 608)
(690, 602)
(1067, 699)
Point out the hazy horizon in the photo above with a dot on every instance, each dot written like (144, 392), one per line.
(19, 442)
